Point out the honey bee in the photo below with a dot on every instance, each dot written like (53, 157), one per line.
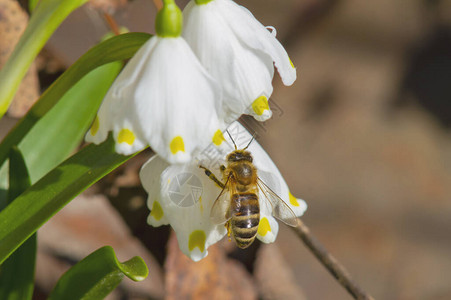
(238, 206)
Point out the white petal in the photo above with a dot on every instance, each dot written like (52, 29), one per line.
(113, 101)
(133, 70)
(244, 74)
(187, 196)
(252, 33)
(157, 216)
(189, 110)
(268, 226)
(272, 30)
(163, 98)
(241, 137)
(150, 177)
(260, 109)
(99, 129)
(298, 205)
(267, 229)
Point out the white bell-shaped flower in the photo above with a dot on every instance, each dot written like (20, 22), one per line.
(163, 98)
(239, 52)
(183, 195)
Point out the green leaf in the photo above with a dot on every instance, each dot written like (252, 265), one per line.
(17, 272)
(41, 152)
(116, 48)
(46, 18)
(97, 275)
(32, 5)
(56, 135)
(62, 129)
(42, 200)
(18, 175)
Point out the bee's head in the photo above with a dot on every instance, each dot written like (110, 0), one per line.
(239, 155)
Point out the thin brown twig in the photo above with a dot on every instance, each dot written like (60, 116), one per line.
(332, 265)
(112, 23)
(158, 4)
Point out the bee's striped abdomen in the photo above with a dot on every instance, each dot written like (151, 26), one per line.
(245, 212)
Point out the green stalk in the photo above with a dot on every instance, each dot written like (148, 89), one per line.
(46, 17)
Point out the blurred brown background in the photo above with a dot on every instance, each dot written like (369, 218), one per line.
(363, 136)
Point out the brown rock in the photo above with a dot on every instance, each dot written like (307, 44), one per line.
(214, 277)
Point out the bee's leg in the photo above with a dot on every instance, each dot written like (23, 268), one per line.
(227, 225)
(212, 177)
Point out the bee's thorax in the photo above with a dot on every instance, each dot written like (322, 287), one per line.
(243, 172)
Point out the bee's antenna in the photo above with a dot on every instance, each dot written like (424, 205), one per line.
(231, 139)
(253, 137)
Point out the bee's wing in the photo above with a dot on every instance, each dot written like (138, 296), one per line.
(220, 211)
(280, 209)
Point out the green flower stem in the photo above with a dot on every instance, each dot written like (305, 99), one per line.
(47, 16)
(169, 21)
(200, 2)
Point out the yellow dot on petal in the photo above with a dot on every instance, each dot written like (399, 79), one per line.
(197, 239)
(218, 138)
(95, 126)
(264, 227)
(177, 145)
(157, 211)
(260, 105)
(293, 200)
(126, 136)
(291, 63)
